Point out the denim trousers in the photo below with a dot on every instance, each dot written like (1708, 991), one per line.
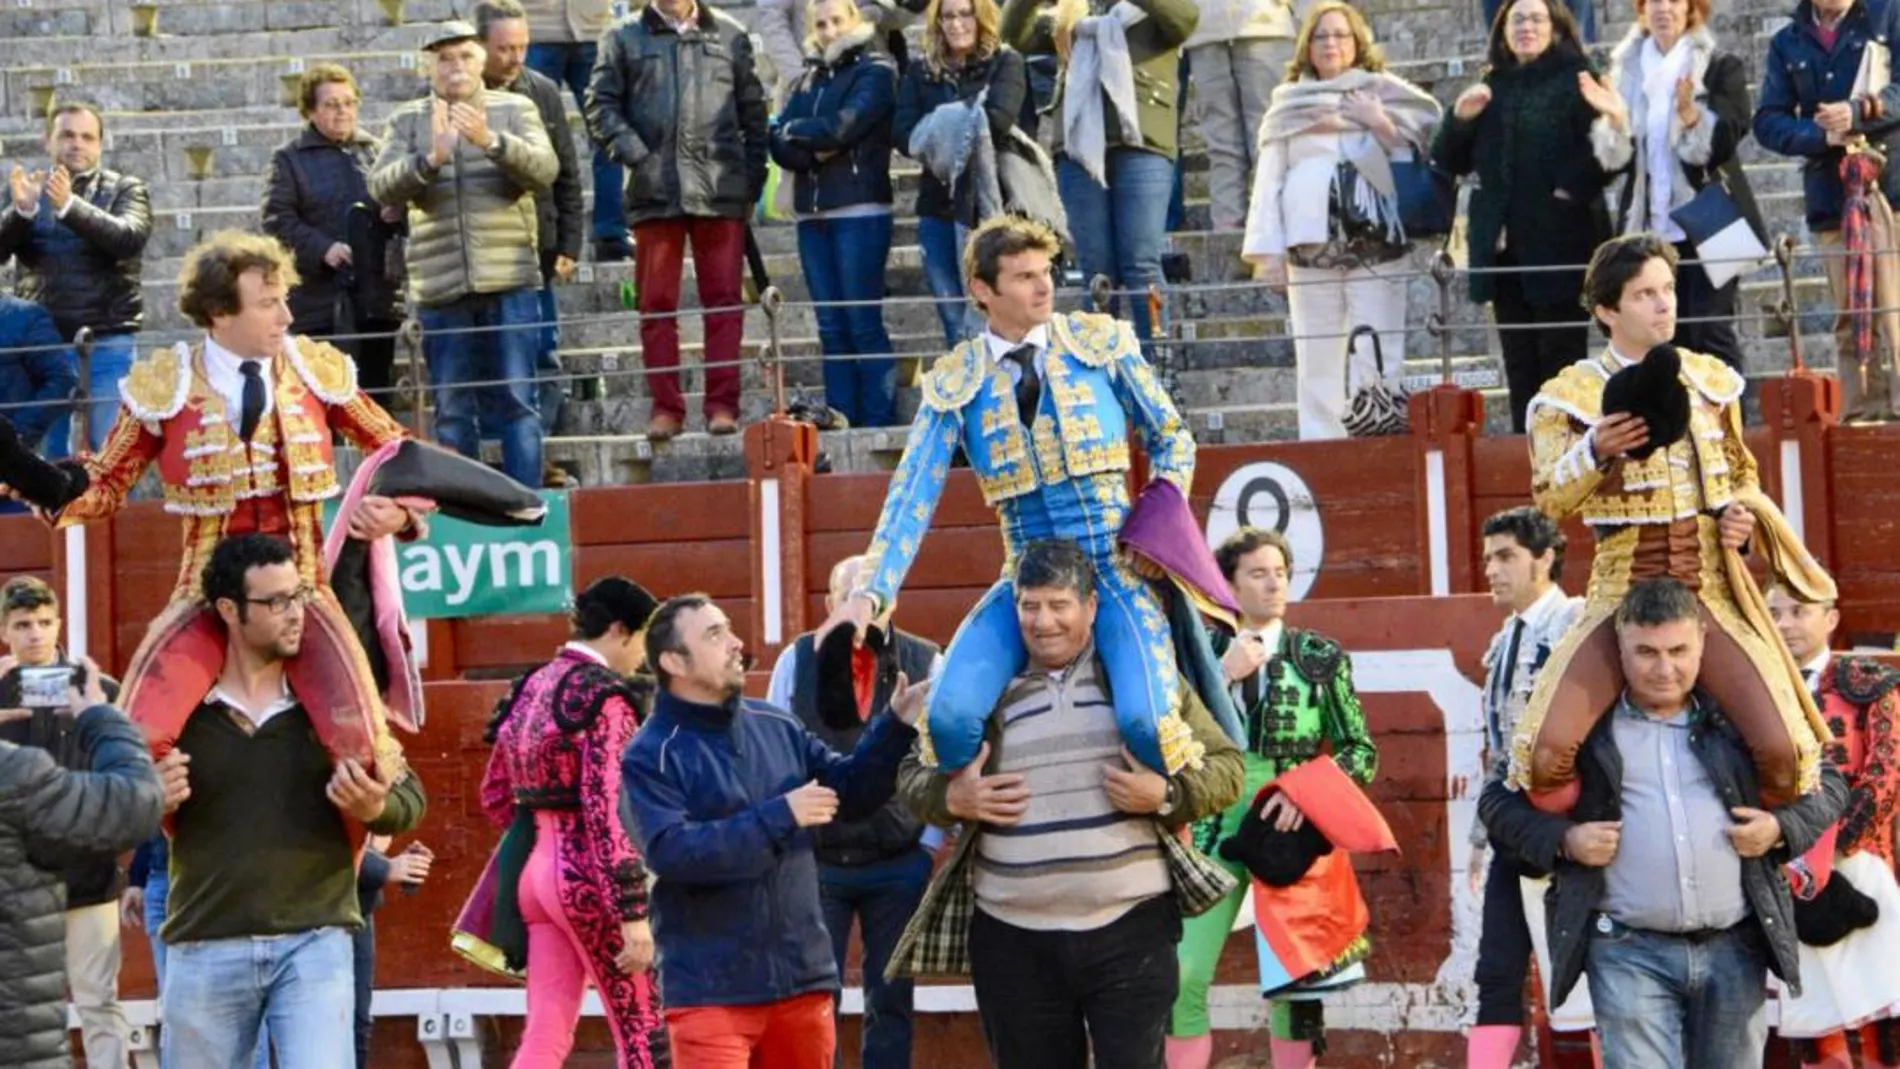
(882, 896)
(158, 885)
(942, 243)
(572, 64)
(551, 387)
(844, 261)
(219, 994)
(1121, 229)
(491, 339)
(112, 356)
(1690, 1001)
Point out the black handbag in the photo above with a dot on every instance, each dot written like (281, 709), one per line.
(1375, 410)
(1427, 196)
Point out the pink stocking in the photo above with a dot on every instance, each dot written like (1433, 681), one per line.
(1190, 1052)
(1492, 1046)
(1293, 1054)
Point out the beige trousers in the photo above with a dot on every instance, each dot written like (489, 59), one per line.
(92, 980)
(1869, 391)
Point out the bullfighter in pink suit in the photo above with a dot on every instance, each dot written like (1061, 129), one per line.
(565, 872)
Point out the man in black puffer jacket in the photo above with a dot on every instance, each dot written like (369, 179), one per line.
(45, 809)
(78, 233)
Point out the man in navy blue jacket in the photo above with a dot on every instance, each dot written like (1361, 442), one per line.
(722, 791)
(36, 370)
(1810, 107)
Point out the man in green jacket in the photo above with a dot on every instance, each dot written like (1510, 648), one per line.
(1064, 899)
(1114, 135)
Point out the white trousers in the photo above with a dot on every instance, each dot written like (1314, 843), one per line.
(1326, 304)
(92, 979)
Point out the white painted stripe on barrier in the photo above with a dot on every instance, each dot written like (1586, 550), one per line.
(76, 593)
(1791, 490)
(1437, 537)
(770, 554)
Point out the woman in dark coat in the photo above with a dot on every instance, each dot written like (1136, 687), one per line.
(963, 57)
(834, 137)
(1525, 132)
(310, 196)
(1672, 115)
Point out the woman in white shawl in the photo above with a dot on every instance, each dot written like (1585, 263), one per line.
(1329, 233)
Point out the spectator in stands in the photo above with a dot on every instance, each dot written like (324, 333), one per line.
(1238, 52)
(558, 211)
(1523, 559)
(580, 911)
(963, 58)
(1584, 11)
(784, 29)
(1336, 123)
(36, 372)
(1064, 898)
(1538, 202)
(406, 870)
(77, 237)
(1812, 105)
(722, 790)
(834, 136)
(564, 35)
(30, 629)
(1671, 117)
(109, 805)
(474, 273)
(1676, 966)
(316, 184)
(873, 869)
(263, 866)
(1115, 143)
(675, 99)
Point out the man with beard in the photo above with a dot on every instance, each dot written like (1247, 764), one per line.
(723, 792)
(263, 856)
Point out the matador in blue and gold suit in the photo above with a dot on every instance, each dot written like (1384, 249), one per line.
(1062, 474)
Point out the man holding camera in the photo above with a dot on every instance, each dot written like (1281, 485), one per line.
(35, 681)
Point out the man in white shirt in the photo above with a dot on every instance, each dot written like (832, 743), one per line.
(1523, 559)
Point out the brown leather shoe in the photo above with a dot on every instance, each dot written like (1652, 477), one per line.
(722, 423)
(662, 427)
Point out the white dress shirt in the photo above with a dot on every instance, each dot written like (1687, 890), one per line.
(225, 371)
(1000, 347)
(258, 717)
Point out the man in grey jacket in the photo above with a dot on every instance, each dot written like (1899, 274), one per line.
(676, 99)
(47, 814)
(467, 163)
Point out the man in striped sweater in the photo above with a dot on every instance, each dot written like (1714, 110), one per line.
(1064, 899)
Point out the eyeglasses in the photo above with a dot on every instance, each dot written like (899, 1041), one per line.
(279, 604)
(962, 16)
(1530, 18)
(1332, 36)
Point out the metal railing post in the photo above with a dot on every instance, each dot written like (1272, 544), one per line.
(1788, 313)
(1438, 324)
(79, 435)
(410, 335)
(772, 302)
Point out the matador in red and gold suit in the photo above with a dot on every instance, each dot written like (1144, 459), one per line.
(219, 484)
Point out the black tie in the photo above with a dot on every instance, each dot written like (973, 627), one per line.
(253, 398)
(1028, 384)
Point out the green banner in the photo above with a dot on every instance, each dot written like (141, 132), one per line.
(467, 569)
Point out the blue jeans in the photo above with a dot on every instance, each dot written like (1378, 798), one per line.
(572, 65)
(844, 260)
(882, 896)
(158, 886)
(1676, 1001)
(942, 241)
(491, 338)
(363, 958)
(550, 393)
(220, 993)
(112, 356)
(1120, 229)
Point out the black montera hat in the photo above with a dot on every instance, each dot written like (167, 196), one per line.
(1653, 390)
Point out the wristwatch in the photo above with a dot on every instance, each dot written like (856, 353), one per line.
(1169, 799)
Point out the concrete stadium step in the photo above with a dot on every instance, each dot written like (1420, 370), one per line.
(204, 85)
(328, 39)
